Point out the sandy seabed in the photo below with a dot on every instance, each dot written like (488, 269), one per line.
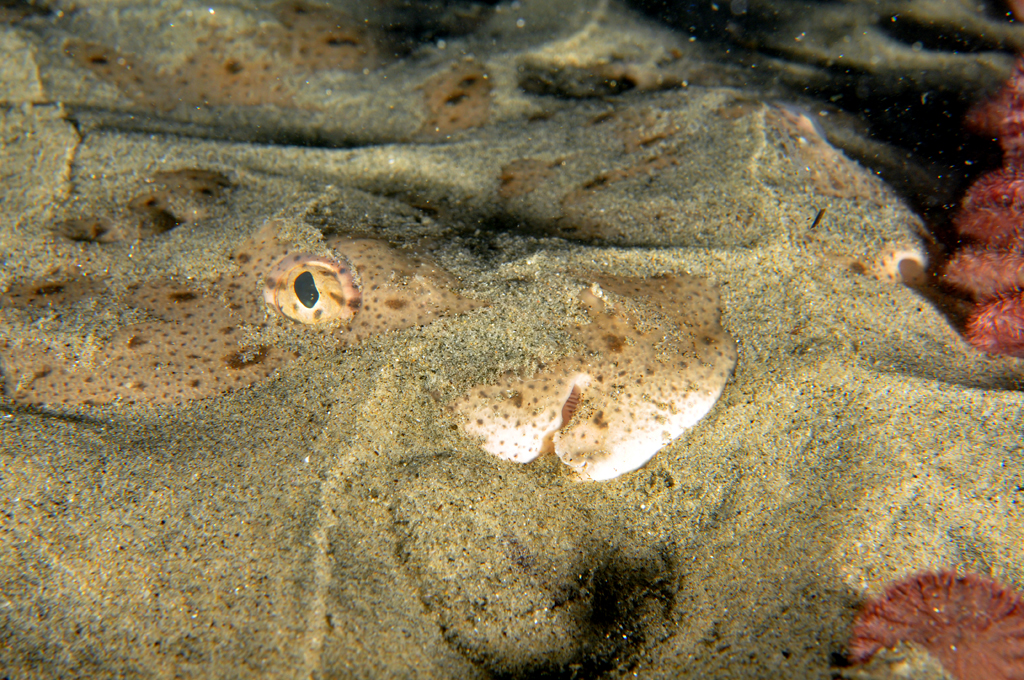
(332, 519)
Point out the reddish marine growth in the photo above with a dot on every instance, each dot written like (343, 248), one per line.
(991, 270)
(973, 625)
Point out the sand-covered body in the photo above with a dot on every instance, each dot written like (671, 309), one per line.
(172, 341)
(647, 373)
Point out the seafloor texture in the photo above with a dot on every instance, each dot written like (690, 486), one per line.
(324, 514)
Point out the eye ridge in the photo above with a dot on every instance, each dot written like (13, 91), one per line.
(311, 289)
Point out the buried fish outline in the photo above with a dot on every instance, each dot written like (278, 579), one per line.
(178, 343)
(655, 364)
(368, 287)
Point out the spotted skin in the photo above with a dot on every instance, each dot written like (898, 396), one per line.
(656, 362)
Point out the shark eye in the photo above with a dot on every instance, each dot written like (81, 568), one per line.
(312, 290)
(305, 290)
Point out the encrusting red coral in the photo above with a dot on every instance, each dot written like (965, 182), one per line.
(972, 624)
(1002, 116)
(993, 209)
(997, 326)
(991, 269)
(986, 272)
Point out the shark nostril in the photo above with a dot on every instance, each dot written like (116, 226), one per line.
(571, 404)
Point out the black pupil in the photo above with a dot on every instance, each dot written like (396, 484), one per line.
(305, 289)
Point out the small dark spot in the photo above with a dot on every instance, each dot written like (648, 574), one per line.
(244, 258)
(395, 303)
(182, 296)
(518, 554)
(50, 289)
(232, 66)
(342, 41)
(240, 360)
(89, 229)
(614, 342)
(135, 341)
(517, 400)
(456, 98)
